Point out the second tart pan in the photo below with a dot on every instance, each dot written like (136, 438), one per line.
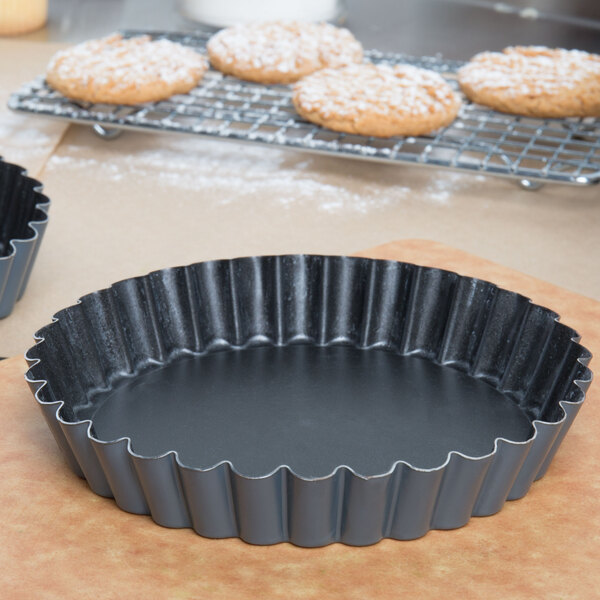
(23, 220)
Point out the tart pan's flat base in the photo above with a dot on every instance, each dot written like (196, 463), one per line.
(312, 408)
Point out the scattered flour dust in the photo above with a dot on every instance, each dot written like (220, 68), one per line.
(237, 173)
(22, 139)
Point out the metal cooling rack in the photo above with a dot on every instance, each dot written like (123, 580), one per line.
(480, 140)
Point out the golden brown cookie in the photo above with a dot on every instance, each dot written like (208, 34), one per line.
(115, 70)
(281, 52)
(379, 100)
(534, 81)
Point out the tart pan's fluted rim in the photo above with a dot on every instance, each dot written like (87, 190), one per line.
(17, 263)
(403, 502)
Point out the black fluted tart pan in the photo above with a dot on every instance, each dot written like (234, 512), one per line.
(309, 399)
(23, 220)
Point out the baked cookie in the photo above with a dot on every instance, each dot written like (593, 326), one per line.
(115, 70)
(379, 100)
(281, 52)
(534, 81)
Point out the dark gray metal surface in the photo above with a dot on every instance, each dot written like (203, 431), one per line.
(457, 29)
(255, 304)
(309, 407)
(23, 220)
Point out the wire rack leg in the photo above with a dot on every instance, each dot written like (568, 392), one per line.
(107, 133)
(529, 185)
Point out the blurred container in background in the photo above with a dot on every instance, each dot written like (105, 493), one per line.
(222, 13)
(22, 16)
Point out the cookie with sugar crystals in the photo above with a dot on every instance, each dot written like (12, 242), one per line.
(281, 52)
(535, 81)
(115, 70)
(378, 100)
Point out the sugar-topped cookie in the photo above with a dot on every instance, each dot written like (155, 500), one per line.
(534, 81)
(281, 52)
(115, 70)
(379, 100)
